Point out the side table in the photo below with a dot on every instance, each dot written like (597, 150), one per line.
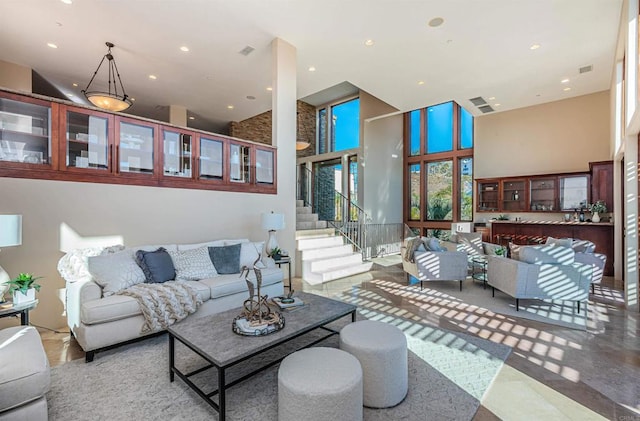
(479, 269)
(22, 309)
(285, 261)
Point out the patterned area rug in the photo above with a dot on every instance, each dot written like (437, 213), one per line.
(448, 374)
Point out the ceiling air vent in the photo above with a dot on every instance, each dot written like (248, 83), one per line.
(586, 69)
(486, 109)
(247, 50)
(478, 101)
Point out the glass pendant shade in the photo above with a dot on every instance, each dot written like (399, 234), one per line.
(110, 100)
(301, 145)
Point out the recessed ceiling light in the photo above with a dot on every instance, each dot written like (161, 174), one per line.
(192, 118)
(184, 48)
(312, 69)
(251, 97)
(269, 88)
(491, 98)
(565, 80)
(368, 42)
(153, 77)
(69, 95)
(567, 89)
(75, 84)
(497, 105)
(435, 22)
(132, 99)
(67, 1)
(421, 82)
(534, 46)
(51, 45)
(230, 107)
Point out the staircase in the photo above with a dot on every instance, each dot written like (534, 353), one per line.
(324, 255)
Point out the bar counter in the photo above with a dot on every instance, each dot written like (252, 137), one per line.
(535, 232)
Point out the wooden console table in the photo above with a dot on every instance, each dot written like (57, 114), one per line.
(531, 232)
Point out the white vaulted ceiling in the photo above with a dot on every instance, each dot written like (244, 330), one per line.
(481, 49)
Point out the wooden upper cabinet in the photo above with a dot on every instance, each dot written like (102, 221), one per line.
(53, 139)
(543, 194)
(86, 141)
(602, 183)
(136, 148)
(514, 195)
(26, 133)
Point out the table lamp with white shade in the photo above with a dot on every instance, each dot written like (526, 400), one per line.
(10, 235)
(272, 222)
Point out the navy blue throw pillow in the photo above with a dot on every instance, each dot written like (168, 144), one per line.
(156, 265)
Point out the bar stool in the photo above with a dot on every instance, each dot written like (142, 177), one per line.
(501, 239)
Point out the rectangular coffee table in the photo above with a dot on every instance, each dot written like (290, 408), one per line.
(213, 340)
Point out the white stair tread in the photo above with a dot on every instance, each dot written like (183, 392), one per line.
(316, 243)
(318, 232)
(319, 277)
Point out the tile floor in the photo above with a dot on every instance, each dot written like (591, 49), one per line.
(553, 373)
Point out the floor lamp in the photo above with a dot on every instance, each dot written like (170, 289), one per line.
(10, 235)
(272, 222)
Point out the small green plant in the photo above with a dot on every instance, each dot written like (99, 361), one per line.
(501, 251)
(23, 283)
(275, 252)
(503, 217)
(599, 207)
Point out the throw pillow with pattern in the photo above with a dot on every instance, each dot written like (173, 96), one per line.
(193, 265)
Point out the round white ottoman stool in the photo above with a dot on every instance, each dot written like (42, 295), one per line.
(320, 384)
(381, 349)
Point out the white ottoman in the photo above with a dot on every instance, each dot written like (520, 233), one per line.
(382, 351)
(318, 384)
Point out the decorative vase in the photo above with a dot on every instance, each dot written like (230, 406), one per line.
(595, 217)
(19, 297)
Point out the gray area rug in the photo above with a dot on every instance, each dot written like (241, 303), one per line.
(448, 374)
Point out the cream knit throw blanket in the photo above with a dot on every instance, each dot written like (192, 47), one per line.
(164, 304)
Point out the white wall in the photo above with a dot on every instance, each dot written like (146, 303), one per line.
(382, 169)
(561, 136)
(14, 76)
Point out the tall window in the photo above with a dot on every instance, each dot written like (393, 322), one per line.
(339, 126)
(443, 175)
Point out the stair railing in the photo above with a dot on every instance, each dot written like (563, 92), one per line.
(344, 215)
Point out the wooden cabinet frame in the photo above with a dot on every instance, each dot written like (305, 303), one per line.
(57, 168)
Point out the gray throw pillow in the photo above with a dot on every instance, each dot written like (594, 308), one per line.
(226, 259)
(156, 265)
(115, 271)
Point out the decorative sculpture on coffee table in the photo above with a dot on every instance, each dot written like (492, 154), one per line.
(257, 317)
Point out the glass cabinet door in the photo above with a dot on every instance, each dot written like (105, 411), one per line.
(211, 159)
(136, 148)
(177, 153)
(513, 196)
(25, 132)
(488, 196)
(240, 164)
(543, 194)
(264, 166)
(87, 140)
(573, 192)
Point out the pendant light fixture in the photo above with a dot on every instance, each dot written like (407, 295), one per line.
(111, 100)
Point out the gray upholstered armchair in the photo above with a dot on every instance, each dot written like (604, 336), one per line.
(426, 265)
(543, 272)
(585, 254)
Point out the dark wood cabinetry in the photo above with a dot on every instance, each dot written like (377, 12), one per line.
(44, 138)
(536, 193)
(531, 232)
(602, 183)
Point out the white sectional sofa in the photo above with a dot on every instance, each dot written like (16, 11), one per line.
(100, 319)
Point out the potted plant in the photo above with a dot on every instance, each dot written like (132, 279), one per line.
(596, 209)
(24, 288)
(275, 253)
